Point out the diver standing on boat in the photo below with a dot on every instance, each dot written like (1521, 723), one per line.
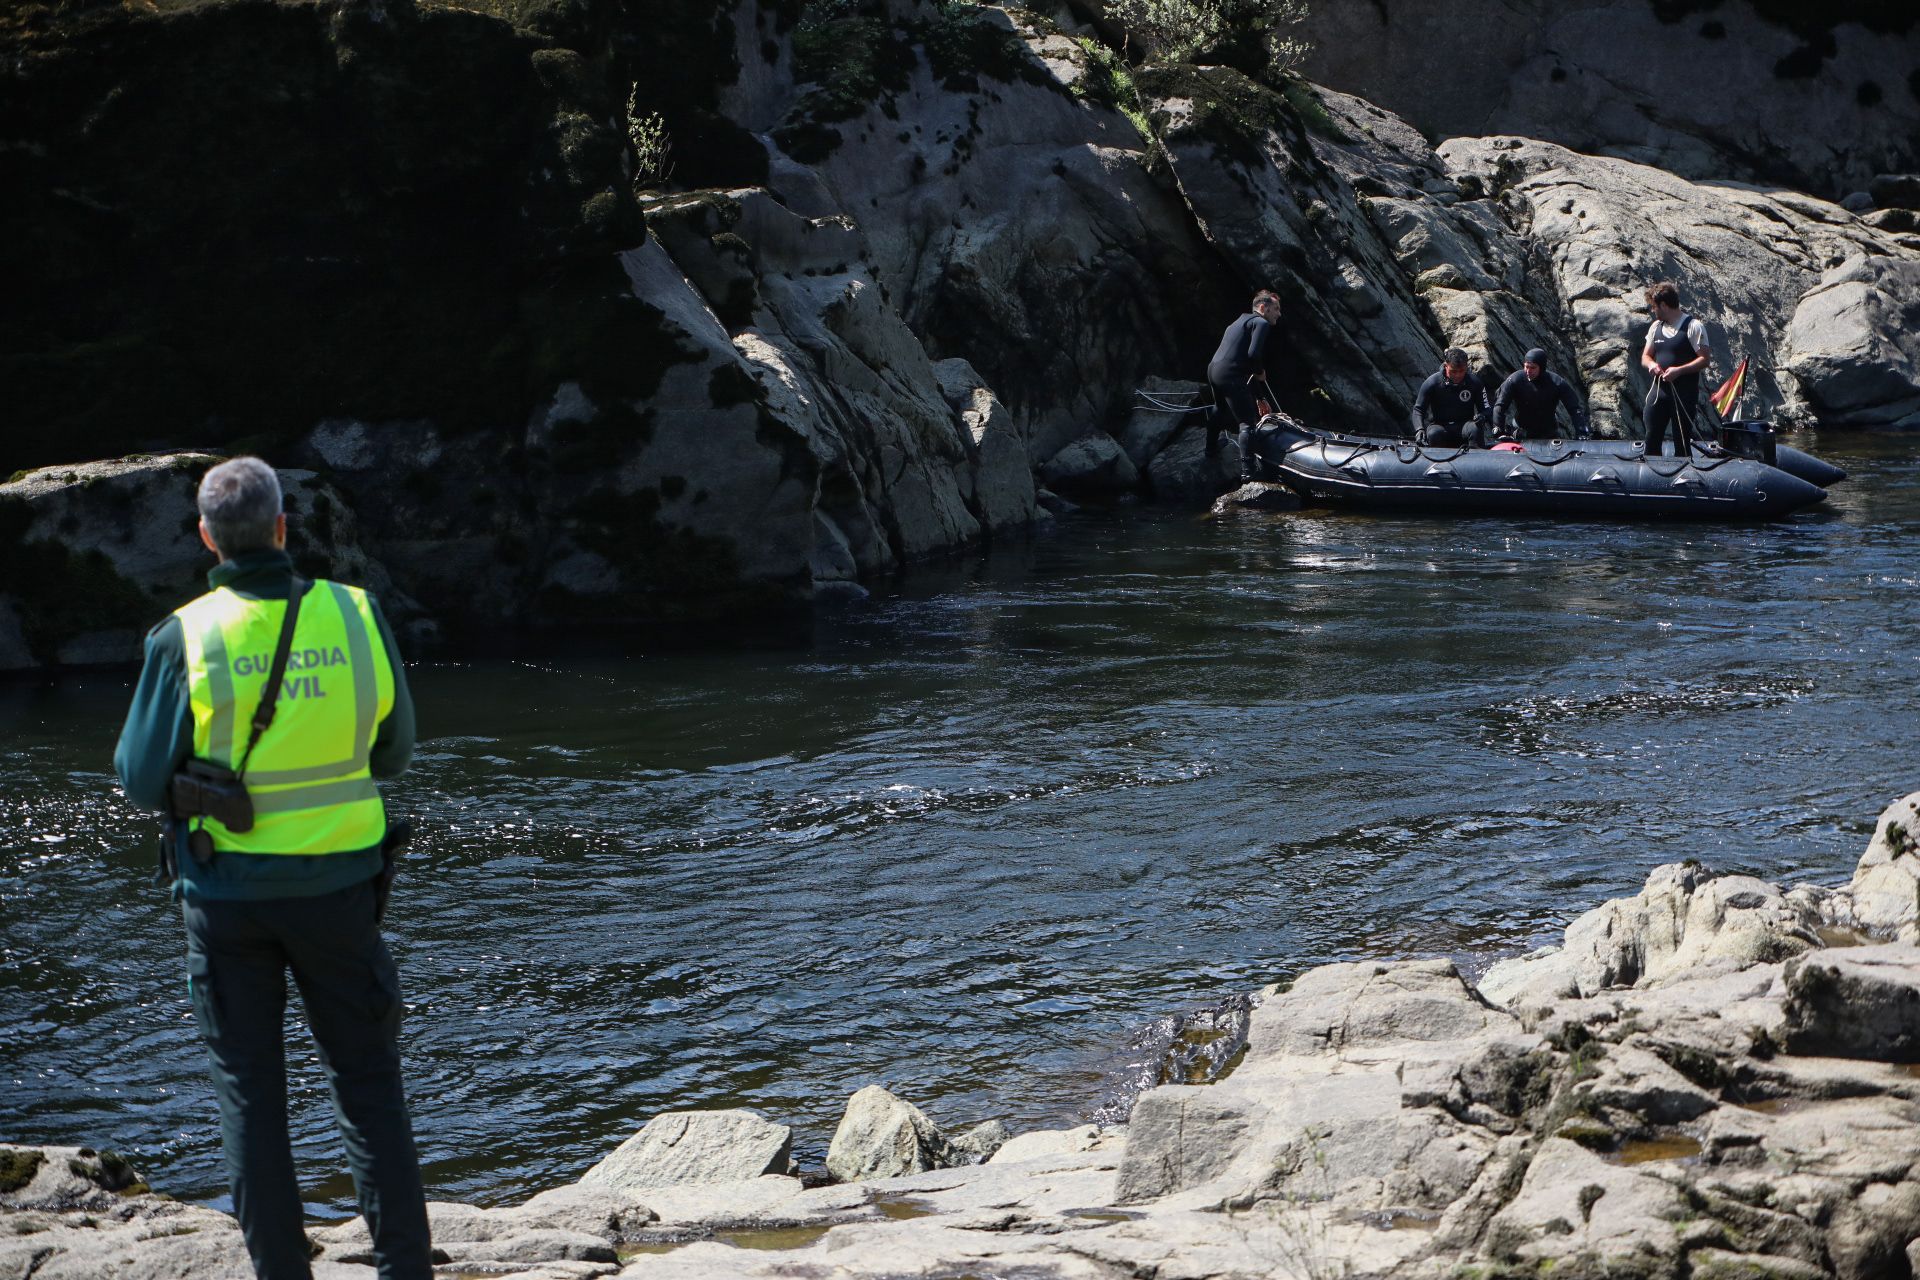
(1675, 354)
(1448, 401)
(1242, 357)
(1524, 408)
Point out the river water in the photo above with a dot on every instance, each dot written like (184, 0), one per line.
(970, 837)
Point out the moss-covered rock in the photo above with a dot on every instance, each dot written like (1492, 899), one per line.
(92, 555)
(17, 1167)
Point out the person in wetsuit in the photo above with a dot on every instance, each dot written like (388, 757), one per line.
(1242, 357)
(1524, 407)
(1451, 405)
(1675, 354)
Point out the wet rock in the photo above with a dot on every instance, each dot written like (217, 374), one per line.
(1859, 1002)
(883, 1136)
(120, 541)
(1185, 474)
(1151, 425)
(1259, 495)
(1053, 504)
(1001, 492)
(692, 1147)
(978, 1144)
(1092, 466)
(1856, 202)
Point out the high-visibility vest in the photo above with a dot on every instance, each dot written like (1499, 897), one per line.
(312, 790)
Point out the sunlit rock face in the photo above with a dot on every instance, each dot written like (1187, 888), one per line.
(1703, 89)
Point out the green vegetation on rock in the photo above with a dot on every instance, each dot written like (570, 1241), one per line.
(17, 1168)
(1229, 110)
(851, 55)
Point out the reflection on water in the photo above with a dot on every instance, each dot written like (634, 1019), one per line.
(979, 832)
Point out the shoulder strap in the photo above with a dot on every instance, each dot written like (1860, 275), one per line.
(270, 696)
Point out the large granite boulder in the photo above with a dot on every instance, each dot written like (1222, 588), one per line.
(882, 1135)
(1005, 201)
(791, 435)
(692, 1147)
(1684, 918)
(97, 552)
(1350, 1085)
(1092, 466)
(1705, 91)
(999, 483)
(1744, 258)
(1855, 343)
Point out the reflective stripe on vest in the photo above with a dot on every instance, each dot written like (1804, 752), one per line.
(312, 789)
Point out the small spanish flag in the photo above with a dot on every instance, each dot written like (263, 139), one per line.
(1729, 393)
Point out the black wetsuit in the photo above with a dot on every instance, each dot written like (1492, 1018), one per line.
(1524, 408)
(1442, 410)
(1675, 403)
(1242, 354)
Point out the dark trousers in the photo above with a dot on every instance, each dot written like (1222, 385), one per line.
(1455, 433)
(1664, 413)
(238, 955)
(1233, 410)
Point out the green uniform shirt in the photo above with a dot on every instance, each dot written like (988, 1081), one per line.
(158, 740)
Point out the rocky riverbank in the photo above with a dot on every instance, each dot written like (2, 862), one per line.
(912, 264)
(1713, 1078)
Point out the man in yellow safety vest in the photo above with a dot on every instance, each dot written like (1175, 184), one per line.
(277, 833)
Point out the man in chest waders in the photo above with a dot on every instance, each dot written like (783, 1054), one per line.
(1239, 361)
(265, 711)
(1675, 354)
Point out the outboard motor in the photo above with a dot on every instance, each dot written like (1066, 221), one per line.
(1753, 440)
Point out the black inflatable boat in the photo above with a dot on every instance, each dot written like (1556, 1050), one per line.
(1743, 439)
(1609, 479)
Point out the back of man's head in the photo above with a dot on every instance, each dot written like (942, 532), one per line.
(240, 505)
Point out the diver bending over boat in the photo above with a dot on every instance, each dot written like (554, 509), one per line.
(1240, 360)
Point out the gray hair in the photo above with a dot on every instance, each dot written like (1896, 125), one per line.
(240, 503)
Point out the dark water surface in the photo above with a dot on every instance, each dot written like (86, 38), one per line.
(978, 833)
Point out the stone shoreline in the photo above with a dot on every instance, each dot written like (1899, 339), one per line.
(1715, 1078)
